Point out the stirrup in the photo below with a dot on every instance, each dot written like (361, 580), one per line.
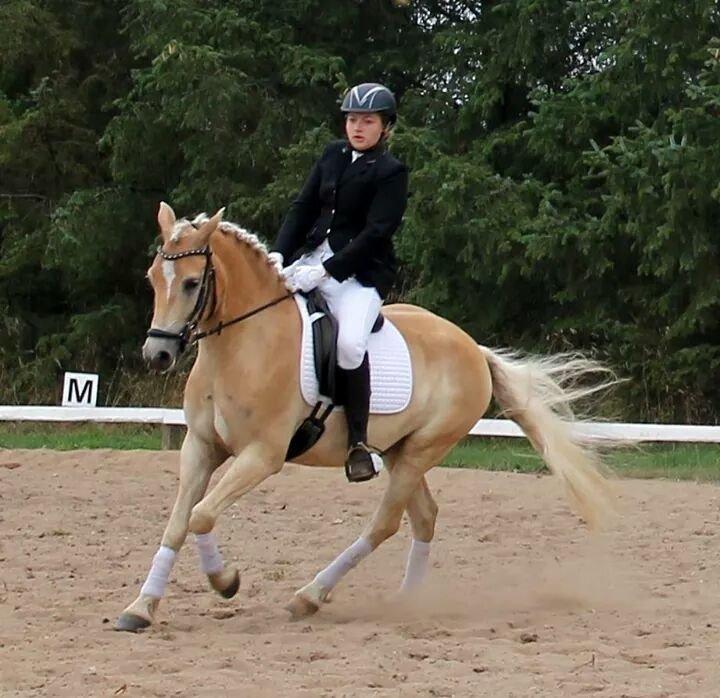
(362, 463)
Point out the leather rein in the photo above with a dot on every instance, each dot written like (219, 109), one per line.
(189, 335)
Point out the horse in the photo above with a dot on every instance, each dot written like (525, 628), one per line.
(215, 285)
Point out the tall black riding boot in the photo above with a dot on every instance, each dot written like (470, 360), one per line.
(361, 463)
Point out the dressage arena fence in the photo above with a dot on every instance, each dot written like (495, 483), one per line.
(172, 422)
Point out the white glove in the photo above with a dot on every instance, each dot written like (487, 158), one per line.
(277, 259)
(306, 277)
(288, 271)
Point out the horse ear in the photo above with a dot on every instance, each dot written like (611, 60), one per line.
(208, 227)
(166, 220)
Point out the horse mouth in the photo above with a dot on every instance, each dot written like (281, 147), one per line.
(162, 361)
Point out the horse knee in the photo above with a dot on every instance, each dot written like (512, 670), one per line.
(201, 521)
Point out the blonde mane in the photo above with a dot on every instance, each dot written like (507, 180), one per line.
(240, 233)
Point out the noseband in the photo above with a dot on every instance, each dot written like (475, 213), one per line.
(188, 334)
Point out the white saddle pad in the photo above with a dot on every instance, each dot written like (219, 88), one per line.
(390, 368)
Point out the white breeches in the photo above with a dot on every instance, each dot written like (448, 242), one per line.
(356, 307)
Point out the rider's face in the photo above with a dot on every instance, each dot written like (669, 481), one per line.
(363, 130)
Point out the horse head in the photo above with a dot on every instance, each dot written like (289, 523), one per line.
(198, 275)
(182, 279)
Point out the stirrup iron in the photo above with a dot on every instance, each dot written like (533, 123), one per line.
(362, 463)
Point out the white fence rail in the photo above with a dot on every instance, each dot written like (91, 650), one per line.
(485, 427)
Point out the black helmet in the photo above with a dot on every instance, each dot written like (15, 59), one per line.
(370, 97)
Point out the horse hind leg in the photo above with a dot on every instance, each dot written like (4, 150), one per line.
(422, 511)
(417, 454)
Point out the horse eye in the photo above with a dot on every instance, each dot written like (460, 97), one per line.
(190, 284)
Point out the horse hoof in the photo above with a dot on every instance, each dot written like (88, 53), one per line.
(301, 607)
(222, 587)
(233, 588)
(129, 622)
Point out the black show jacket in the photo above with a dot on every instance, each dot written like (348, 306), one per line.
(357, 206)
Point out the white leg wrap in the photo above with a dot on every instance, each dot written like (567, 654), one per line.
(342, 564)
(211, 561)
(417, 563)
(159, 574)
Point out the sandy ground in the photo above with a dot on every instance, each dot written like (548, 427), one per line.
(521, 601)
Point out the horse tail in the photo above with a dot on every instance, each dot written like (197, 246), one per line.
(538, 394)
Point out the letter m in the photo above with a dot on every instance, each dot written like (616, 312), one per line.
(83, 397)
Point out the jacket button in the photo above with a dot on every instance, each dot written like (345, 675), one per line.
(328, 231)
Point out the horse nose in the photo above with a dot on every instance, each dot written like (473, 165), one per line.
(160, 360)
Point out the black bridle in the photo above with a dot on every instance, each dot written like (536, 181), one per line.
(189, 334)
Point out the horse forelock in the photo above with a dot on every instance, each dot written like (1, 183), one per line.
(179, 229)
(183, 225)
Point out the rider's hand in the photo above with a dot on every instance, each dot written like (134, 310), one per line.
(277, 259)
(307, 277)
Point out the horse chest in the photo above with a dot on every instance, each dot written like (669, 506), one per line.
(221, 426)
(232, 423)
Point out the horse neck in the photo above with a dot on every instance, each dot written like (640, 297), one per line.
(245, 280)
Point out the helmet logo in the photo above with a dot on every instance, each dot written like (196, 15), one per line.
(371, 94)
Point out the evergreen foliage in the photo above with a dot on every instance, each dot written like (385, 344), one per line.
(565, 168)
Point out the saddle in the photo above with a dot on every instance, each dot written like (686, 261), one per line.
(324, 334)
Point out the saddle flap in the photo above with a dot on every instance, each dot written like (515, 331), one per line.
(391, 375)
(325, 333)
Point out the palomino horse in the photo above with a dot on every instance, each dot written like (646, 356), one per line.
(243, 400)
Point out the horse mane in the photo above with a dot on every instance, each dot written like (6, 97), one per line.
(241, 234)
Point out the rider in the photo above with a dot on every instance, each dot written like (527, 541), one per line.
(337, 237)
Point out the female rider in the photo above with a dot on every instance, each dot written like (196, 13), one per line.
(337, 237)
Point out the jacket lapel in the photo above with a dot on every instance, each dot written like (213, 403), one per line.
(340, 165)
(361, 164)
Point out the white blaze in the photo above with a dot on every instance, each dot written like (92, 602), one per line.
(168, 269)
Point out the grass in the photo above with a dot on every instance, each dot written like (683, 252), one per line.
(699, 462)
(70, 436)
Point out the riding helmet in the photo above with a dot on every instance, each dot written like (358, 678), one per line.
(370, 97)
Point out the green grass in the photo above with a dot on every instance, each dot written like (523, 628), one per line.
(674, 461)
(699, 462)
(71, 436)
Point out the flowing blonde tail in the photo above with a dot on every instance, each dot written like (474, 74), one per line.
(538, 394)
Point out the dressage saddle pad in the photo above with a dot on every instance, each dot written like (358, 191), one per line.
(390, 367)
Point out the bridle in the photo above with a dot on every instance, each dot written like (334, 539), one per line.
(188, 335)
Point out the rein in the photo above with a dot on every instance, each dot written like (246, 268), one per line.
(188, 335)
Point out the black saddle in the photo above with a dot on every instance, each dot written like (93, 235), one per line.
(324, 335)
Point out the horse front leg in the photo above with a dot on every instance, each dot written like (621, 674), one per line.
(254, 463)
(198, 460)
